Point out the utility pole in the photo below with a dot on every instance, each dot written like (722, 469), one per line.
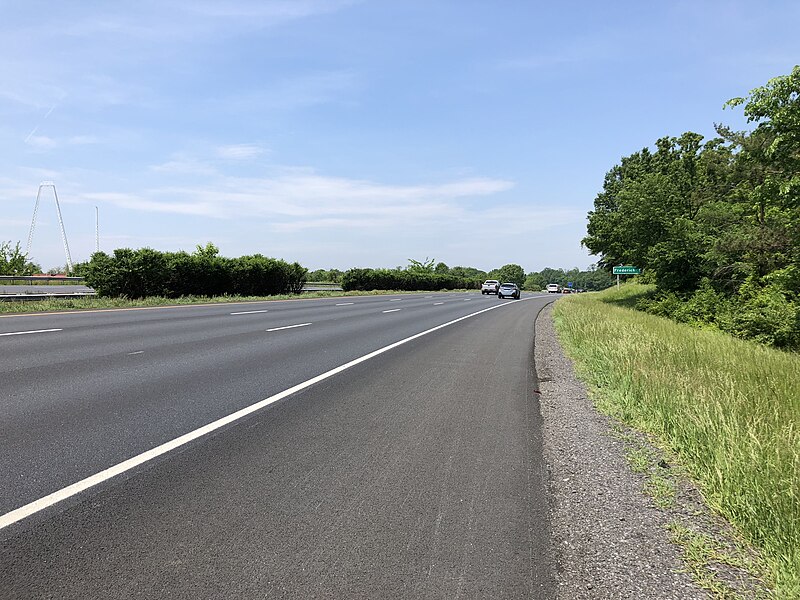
(96, 229)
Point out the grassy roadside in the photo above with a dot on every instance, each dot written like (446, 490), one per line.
(730, 410)
(95, 303)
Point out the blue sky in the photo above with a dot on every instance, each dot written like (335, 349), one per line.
(356, 133)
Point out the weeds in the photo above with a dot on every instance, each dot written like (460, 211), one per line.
(729, 409)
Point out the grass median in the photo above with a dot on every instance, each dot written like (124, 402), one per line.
(97, 302)
(729, 409)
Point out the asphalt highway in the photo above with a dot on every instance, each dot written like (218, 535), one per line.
(416, 471)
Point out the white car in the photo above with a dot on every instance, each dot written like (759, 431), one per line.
(490, 286)
(553, 288)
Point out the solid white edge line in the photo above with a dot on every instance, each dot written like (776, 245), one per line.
(27, 332)
(249, 312)
(76, 488)
(289, 326)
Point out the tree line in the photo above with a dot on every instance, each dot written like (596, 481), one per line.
(715, 224)
(460, 277)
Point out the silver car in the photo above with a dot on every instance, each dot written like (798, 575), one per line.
(508, 290)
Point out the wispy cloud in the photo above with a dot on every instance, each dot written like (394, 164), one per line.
(239, 151)
(45, 143)
(305, 200)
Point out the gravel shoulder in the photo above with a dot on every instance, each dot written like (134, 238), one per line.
(610, 539)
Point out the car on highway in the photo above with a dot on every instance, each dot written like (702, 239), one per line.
(553, 288)
(508, 290)
(490, 286)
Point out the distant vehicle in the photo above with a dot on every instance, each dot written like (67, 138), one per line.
(553, 288)
(490, 286)
(566, 291)
(508, 290)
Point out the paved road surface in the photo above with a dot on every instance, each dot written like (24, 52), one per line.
(417, 473)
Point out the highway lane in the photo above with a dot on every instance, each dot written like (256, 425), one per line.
(415, 474)
(93, 389)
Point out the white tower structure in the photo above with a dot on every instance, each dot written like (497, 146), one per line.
(50, 184)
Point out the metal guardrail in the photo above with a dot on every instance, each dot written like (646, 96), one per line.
(49, 279)
(17, 287)
(321, 286)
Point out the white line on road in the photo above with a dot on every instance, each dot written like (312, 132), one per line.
(27, 332)
(392, 310)
(437, 303)
(289, 326)
(343, 303)
(395, 300)
(137, 352)
(248, 312)
(76, 488)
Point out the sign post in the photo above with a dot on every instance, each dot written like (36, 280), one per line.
(625, 270)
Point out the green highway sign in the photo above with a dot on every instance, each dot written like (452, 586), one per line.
(627, 270)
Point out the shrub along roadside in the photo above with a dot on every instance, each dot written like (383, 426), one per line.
(394, 279)
(145, 273)
(729, 409)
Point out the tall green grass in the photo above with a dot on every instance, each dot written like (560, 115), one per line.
(729, 409)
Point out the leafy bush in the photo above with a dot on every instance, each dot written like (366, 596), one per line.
(764, 314)
(394, 279)
(145, 272)
(14, 262)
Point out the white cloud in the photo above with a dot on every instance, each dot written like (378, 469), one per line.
(305, 200)
(239, 151)
(41, 142)
(185, 166)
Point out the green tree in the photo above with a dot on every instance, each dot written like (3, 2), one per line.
(416, 266)
(534, 281)
(512, 273)
(442, 269)
(468, 272)
(15, 262)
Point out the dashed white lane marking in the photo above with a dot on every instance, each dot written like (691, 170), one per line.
(466, 299)
(289, 326)
(437, 303)
(31, 508)
(248, 312)
(392, 310)
(343, 303)
(395, 300)
(137, 352)
(27, 332)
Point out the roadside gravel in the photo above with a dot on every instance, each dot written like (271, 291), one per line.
(610, 539)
